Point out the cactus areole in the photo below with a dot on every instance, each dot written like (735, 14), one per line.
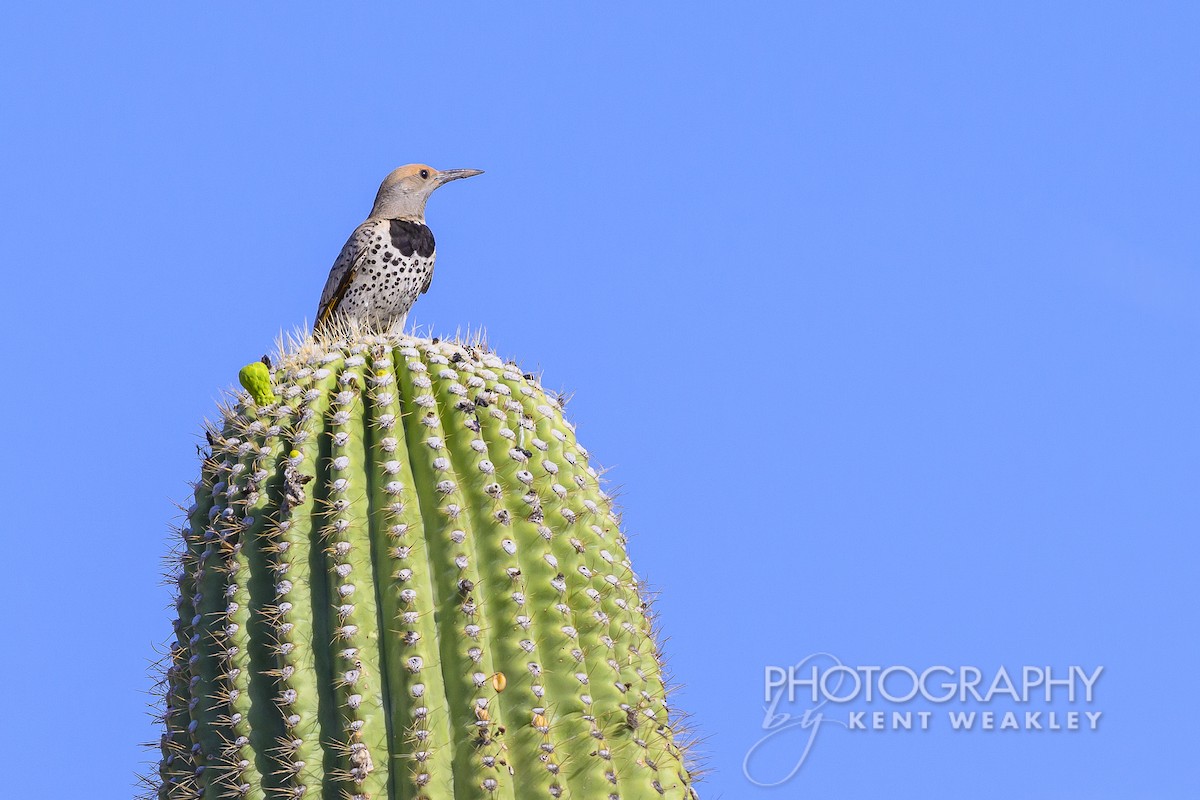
(401, 579)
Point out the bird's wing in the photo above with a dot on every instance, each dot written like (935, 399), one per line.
(342, 273)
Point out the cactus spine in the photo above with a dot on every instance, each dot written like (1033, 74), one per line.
(401, 579)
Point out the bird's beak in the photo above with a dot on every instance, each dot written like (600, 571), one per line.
(445, 176)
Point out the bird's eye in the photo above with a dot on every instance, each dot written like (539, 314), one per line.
(424, 174)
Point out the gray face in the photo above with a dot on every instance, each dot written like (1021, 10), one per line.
(404, 192)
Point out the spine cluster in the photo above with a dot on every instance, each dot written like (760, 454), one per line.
(402, 579)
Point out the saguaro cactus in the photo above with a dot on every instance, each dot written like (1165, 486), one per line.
(402, 579)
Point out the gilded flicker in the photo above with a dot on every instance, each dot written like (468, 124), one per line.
(387, 263)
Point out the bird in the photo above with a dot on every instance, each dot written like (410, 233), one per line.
(387, 263)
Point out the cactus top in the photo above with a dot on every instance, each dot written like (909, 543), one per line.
(401, 578)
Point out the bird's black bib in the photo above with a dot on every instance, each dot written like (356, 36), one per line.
(411, 237)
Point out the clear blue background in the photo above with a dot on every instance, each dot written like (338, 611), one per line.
(886, 320)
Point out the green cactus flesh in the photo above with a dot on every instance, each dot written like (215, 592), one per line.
(401, 579)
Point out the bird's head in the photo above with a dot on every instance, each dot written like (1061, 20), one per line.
(403, 193)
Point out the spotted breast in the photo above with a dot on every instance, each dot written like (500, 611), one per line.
(383, 268)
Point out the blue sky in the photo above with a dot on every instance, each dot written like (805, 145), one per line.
(885, 319)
